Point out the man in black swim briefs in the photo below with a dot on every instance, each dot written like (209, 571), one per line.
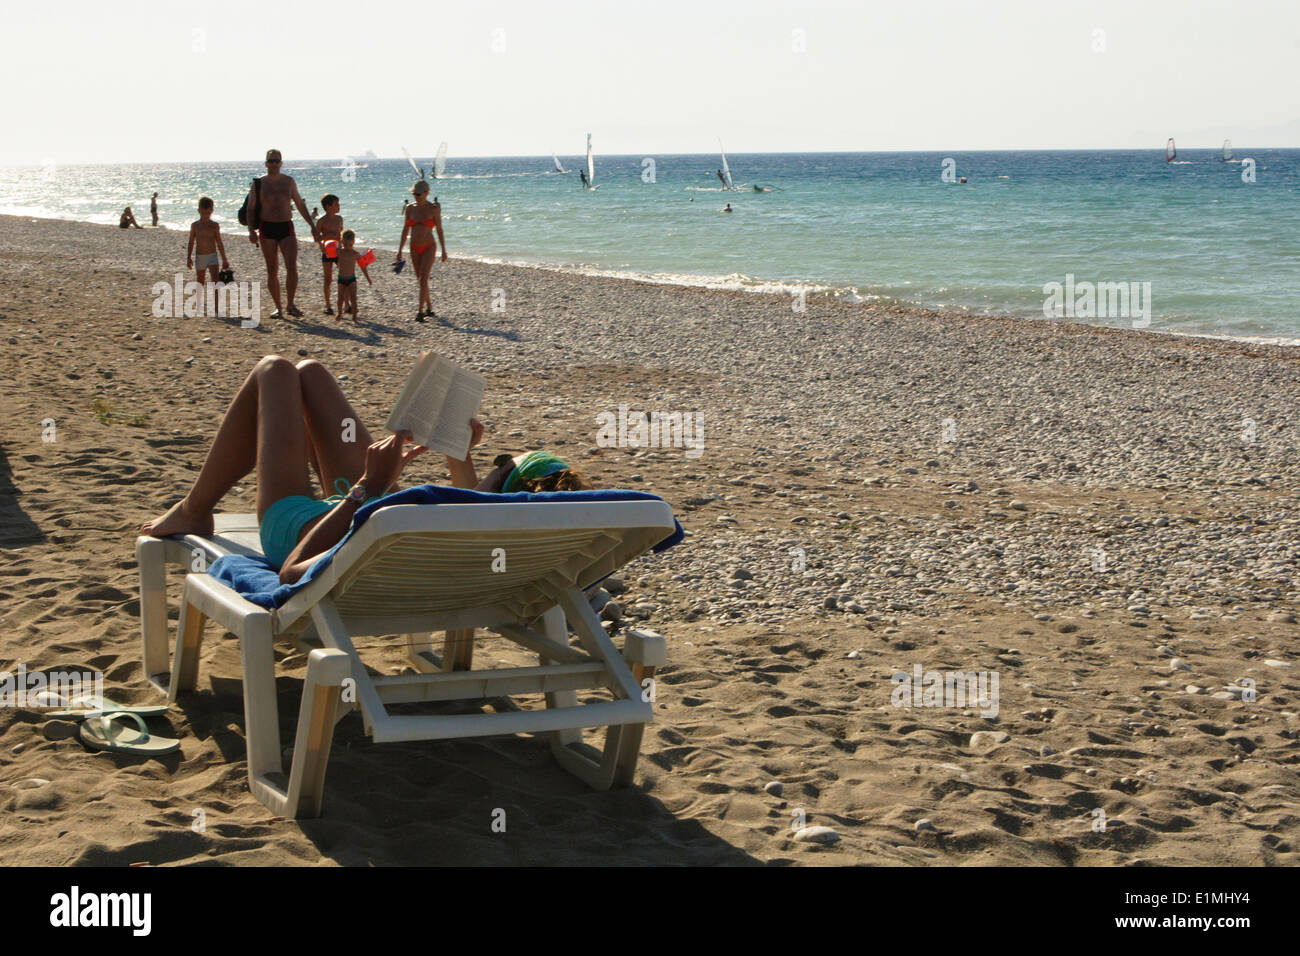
(277, 194)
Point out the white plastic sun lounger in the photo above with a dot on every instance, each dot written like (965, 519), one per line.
(409, 570)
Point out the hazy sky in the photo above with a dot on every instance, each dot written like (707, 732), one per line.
(145, 81)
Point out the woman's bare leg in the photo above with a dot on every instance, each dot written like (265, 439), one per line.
(327, 413)
(263, 427)
(423, 263)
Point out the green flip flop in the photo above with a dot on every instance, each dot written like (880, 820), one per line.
(84, 706)
(102, 732)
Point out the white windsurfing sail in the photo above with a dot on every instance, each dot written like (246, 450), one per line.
(440, 161)
(591, 165)
(418, 171)
(726, 170)
(559, 167)
(1227, 151)
(1170, 151)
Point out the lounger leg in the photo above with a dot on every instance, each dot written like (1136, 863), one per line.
(326, 671)
(261, 720)
(615, 764)
(185, 662)
(458, 651)
(420, 655)
(640, 646)
(151, 556)
(556, 628)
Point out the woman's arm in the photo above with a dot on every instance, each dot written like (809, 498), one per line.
(406, 229)
(437, 225)
(462, 472)
(385, 460)
(326, 533)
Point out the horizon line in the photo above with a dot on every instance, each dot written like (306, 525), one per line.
(823, 152)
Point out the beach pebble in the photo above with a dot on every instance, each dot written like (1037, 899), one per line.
(1164, 651)
(36, 793)
(774, 787)
(988, 739)
(1178, 664)
(741, 574)
(1046, 750)
(854, 655)
(611, 611)
(12, 340)
(303, 353)
(207, 340)
(1270, 662)
(136, 337)
(926, 824)
(1019, 506)
(816, 835)
(829, 602)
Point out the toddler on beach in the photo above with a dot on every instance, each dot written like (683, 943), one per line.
(348, 262)
(205, 247)
(330, 226)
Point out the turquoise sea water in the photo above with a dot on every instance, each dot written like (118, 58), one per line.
(1222, 255)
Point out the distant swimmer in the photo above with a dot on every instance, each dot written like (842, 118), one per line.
(153, 208)
(692, 199)
(962, 180)
(722, 178)
(728, 208)
(762, 189)
(128, 219)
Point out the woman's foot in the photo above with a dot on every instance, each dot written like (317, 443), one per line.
(295, 311)
(328, 310)
(419, 316)
(179, 520)
(277, 314)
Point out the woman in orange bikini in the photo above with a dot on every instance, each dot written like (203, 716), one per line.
(422, 220)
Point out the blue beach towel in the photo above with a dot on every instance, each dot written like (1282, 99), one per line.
(258, 581)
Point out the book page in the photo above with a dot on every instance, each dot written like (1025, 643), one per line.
(421, 401)
(436, 405)
(462, 400)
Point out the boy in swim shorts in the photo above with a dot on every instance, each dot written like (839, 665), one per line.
(205, 247)
(330, 226)
(348, 263)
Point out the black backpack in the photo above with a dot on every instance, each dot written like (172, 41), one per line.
(244, 215)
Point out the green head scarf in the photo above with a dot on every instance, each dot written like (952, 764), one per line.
(535, 464)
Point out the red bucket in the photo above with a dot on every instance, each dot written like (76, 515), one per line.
(331, 248)
(368, 259)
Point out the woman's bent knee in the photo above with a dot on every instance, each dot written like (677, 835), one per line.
(275, 365)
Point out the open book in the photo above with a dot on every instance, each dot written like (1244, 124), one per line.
(436, 405)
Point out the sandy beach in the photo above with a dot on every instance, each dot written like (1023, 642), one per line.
(1108, 520)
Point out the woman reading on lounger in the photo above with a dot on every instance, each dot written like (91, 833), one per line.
(287, 417)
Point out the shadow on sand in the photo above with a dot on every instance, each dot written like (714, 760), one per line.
(434, 802)
(17, 530)
(507, 334)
